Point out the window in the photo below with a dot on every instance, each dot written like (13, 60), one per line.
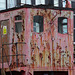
(23, 2)
(2, 4)
(43, 2)
(74, 35)
(62, 25)
(74, 29)
(33, 2)
(56, 3)
(37, 2)
(18, 17)
(73, 5)
(49, 2)
(74, 54)
(38, 23)
(28, 2)
(18, 3)
(18, 24)
(60, 3)
(18, 27)
(11, 3)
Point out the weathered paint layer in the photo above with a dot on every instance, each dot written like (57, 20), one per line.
(47, 50)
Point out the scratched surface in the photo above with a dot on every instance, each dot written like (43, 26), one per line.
(51, 48)
(46, 49)
(4, 38)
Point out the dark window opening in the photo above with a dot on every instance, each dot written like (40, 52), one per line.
(16, 73)
(18, 27)
(18, 3)
(38, 23)
(33, 2)
(18, 17)
(60, 3)
(18, 24)
(62, 25)
(74, 21)
(73, 5)
(0, 71)
(49, 2)
(50, 73)
(74, 54)
(74, 36)
(74, 47)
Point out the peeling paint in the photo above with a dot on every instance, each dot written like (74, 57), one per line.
(47, 49)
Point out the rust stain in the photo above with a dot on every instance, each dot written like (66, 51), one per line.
(44, 49)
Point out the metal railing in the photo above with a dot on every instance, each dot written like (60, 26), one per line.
(11, 55)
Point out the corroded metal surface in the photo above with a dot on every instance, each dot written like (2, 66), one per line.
(48, 49)
(51, 48)
(5, 37)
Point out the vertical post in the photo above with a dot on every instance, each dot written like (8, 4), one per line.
(16, 54)
(2, 57)
(6, 4)
(60, 3)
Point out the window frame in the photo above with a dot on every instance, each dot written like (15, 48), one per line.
(18, 3)
(62, 24)
(41, 24)
(18, 21)
(60, 3)
(33, 2)
(49, 2)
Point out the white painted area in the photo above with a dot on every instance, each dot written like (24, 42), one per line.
(2, 4)
(37, 2)
(11, 3)
(64, 3)
(28, 1)
(56, 3)
(22, 2)
(74, 42)
(42, 1)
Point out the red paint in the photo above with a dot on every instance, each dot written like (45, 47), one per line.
(45, 51)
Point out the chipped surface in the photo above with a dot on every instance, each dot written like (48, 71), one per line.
(48, 49)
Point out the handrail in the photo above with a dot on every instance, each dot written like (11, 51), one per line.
(12, 55)
(15, 55)
(14, 43)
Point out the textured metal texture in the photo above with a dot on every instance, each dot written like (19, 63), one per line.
(47, 50)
